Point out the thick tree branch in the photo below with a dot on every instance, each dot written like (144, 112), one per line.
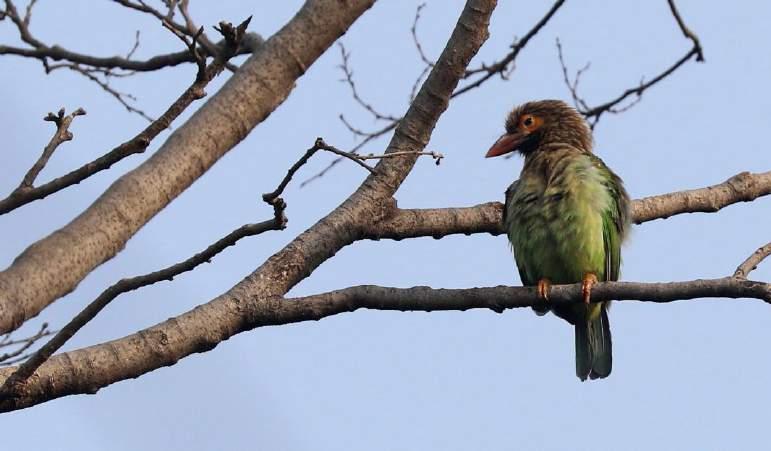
(14, 384)
(439, 222)
(743, 187)
(246, 305)
(280, 311)
(53, 266)
(502, 67)
(486, 218)
(498, 299)
(752, 262)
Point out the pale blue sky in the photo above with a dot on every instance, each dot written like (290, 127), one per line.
(688, 375)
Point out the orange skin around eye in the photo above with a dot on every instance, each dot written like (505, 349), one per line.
(527, 124)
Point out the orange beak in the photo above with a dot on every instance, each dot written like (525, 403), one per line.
(505, 144)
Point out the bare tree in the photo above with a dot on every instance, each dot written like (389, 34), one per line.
(53, 266)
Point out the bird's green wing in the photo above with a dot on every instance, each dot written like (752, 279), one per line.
(520, 267)
(615, 221)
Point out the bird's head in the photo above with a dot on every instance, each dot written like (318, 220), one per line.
(533, 124)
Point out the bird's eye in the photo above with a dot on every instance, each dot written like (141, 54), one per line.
(528, 121)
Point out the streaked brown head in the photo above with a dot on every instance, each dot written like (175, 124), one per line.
(534, 124)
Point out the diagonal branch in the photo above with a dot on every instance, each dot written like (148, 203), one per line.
(502, 66)
(752, 262)
(15, 356)
(593, 114)
(14, 384)
(245, 305)
(53, 266)
(62, 134)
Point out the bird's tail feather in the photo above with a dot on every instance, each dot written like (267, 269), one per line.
(594, 351)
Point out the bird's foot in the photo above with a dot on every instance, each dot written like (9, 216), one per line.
(586, 286)
(544, 287)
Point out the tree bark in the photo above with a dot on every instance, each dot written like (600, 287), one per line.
(53, 266)
(250, 302)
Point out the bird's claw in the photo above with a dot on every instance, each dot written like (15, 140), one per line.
(543, 289)
(586, 286)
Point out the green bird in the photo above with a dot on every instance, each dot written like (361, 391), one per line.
(566, 218)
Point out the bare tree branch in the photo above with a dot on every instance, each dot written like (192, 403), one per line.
(752, 262)
(414, 30)
(100, 70)
(501, 67)
(356, 158)
(743, 187)
(53, 266)
(486, 218)
(318, 145)
(41, 51)
(498, 299)
(368, 137)
(15, 382)
(348, 73)
(12, 357)
(155, 63)
(593, 114)
(244, 306)
(61, 135)
(124, 98)
(138, 144)
(206, 43)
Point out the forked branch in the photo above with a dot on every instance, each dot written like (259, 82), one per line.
(141, 141)
(62, 134)
(15, 381)
(615, 106)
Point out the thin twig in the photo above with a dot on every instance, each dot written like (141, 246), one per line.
(593, 114)
(319, 144)
(345, 67)
(61, 135)
(435, 155)
(89, 66)
(752, 262)
(369, 138)
(9, 358)
(687, 32)
(134, 47)
(192, 45)
(28, 13)
(501, 67)
(415, 40)
(356, 158)
(203, 39)
(123, 98)
(140, 142)
(16, 380)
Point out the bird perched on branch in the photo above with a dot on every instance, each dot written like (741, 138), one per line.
(566, 218)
